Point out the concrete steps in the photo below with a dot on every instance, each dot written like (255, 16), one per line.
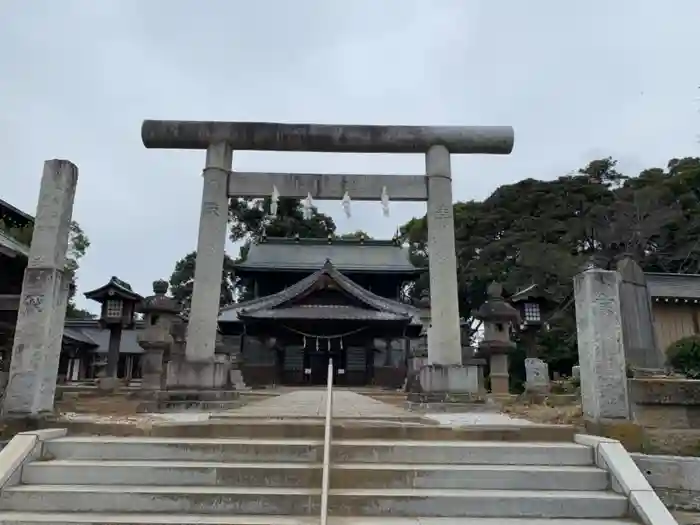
(343, 475)
(305, 450)
(131, 518)
(313, 428)
(453, 503)
(249, 480)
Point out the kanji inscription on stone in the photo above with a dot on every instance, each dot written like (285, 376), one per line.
(210, 208)
(443, 212)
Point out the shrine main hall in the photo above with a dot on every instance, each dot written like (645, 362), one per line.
(316, 299)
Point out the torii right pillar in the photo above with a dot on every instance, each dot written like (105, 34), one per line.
(445, 374)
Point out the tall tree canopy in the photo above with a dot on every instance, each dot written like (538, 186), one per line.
(249, 218)
(544, 232)
(182, 281)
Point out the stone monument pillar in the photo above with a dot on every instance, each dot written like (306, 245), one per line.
(600, 349)
(161, 313)
(39, 332)
(204, 310)
(498, 317)
(638, 334)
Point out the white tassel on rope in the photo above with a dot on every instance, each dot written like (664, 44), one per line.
(385, 202)
(346, 204)
(274, 201)
(308, 207)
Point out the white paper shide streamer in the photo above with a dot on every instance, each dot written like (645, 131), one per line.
(308, 207)
(385, 202)
(346, 204)
(274, 201)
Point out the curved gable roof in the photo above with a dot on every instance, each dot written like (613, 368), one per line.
(371, 300)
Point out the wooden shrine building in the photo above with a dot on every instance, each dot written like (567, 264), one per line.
(316, 299)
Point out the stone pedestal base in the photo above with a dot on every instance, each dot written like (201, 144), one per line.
(236, 379)
(152, 369)
(500, 380)
(108, 384)
(201, 375)
(187, 400)
(451, 379)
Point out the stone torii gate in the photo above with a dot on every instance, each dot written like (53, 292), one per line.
(220, 139)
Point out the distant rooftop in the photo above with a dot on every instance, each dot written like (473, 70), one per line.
(11, 247)
(14, 216)
(347, 255)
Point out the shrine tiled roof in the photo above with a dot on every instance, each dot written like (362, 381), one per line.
(673, 285)
(273, 306)
(275, 254)
(11, 247)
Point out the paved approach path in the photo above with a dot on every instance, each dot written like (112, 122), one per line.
(312, 404)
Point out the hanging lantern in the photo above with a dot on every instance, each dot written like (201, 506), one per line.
(385, 202)
(346, 204)
(308, 207)
(274, 200)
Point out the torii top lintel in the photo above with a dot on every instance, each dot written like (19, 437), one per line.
(269, 136)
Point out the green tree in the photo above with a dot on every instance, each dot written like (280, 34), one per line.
(249, 219)
(544, 232)
(357, 234)
(78, 244)
(182, 280)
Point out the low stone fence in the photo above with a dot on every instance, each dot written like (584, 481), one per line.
(676, 479)
(667, 412)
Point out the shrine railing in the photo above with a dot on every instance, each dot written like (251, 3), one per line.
(327, 434)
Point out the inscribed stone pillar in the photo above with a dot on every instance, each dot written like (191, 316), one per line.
(600, 349)
(444, 343)
(638, 335)
(204, 310)
(39, 331)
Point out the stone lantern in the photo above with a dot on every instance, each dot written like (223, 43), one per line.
(498, 316)
(119, 303)
(161, 315)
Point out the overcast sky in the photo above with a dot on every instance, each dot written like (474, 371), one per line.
(577, 80)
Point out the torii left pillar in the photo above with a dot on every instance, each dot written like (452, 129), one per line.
(42, 310)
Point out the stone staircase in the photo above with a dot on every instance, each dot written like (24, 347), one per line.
(261, 480)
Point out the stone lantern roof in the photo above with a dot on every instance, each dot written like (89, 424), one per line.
(159, 302)
(114, 289)
(496, 309)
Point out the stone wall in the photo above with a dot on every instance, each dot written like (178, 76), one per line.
(667, 410)
(665, 402)
(676, 479)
